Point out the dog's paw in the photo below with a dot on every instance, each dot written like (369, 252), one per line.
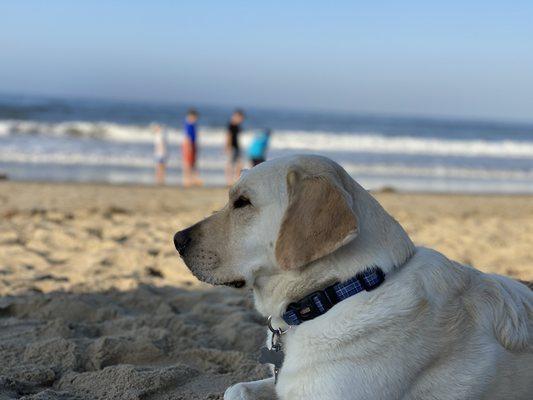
(239, 391)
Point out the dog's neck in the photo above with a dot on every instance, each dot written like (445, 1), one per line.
(387, 248)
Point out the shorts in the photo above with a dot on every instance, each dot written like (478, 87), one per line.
(189, 154)
(257, 161)
(161, 159)
(235, 154)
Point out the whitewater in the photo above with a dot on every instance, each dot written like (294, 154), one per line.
(67, 140)
(290, 140)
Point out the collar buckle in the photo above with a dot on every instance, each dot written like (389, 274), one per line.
(312, 305)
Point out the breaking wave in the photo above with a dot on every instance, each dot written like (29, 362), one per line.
(317, 141)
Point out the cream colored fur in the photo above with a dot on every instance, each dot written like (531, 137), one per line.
(434, 330)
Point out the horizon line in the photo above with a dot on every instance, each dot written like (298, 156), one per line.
(338, 112)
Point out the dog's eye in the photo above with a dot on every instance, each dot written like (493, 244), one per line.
(241, 202)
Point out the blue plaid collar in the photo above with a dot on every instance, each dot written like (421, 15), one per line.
(319, 302)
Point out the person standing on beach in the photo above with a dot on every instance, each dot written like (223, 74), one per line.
(233, 151)
(160, 153)
(190, 150)
(258, 147)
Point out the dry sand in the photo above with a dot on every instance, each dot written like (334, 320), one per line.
(95, 304)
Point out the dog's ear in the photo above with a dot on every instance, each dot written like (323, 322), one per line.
(317, 221)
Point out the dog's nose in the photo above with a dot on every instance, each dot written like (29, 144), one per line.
(182, 240)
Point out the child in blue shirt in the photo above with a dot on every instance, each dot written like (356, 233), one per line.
(258, 147)
(190, 150)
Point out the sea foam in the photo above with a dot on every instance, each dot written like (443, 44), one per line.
(293, 140)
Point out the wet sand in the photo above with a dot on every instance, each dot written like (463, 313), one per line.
(95, 303)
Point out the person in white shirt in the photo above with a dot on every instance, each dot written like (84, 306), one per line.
(160, 153)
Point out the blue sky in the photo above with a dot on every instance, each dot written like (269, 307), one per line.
(453, 58)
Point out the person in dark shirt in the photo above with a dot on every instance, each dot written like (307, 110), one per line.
(233, 150)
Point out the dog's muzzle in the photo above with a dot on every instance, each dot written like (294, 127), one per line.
(182, 239)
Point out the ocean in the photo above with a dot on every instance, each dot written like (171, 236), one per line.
(110, 141)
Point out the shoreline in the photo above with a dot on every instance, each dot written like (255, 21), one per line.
(143, 185)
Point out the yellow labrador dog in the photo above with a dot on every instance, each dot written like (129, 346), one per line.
(364, 313)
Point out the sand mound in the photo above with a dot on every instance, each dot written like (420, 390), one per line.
(151, 342)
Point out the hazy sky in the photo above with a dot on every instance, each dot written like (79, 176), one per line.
(454, 58)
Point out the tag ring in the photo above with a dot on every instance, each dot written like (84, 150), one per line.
(278, 331)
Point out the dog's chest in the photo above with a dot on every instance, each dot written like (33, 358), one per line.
(320, 368)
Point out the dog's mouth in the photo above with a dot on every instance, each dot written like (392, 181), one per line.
(235, 284)
(213, 280)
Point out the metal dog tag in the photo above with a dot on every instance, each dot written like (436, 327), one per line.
(273, 356)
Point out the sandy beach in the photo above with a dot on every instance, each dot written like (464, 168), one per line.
(96, 304)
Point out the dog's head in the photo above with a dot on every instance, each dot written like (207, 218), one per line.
(281, 217)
